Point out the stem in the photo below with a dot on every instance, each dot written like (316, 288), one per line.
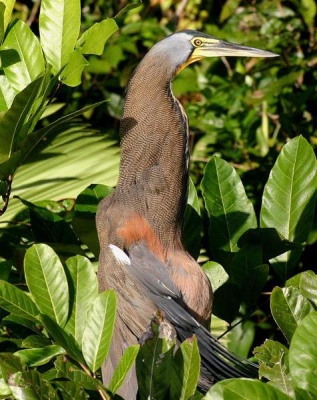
(6, 196)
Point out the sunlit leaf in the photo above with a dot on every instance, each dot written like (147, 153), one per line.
(62, 338)
(17, 302)
(39, 356)
(186, 370)
(303, 356)
(83, 291)
(154, 366)
(123, 367)
(59, 30)
(31, 65)
(73, 160)
(8, 11)
(288, 308)
(273, 358)
(244, 389)
(46, 280)
(230, 211)
(71, 75)
(289, 199)
(99, 329)
(93, 40)
(7, 93)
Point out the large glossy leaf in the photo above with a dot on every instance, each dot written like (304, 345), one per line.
(288, 308)
(62, 338)
(303, 356)
(7, 93)
(273, 358)
(46, 279)
(289, 199)
(31, 65)
(216, 274)
(83, 291)
(93, 40)
(230, 211)
(308, 286)
(186, 370)
(71, 75)
(123, 367)
(17, 302)
(59, 30)
(244, 389)
(8, 11)
(154, 365)
(99, 329)
(15, 117)
(39, 356)
(73, 160)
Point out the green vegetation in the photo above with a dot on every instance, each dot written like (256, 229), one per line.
(251, 211)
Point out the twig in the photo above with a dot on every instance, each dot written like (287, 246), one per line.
(33, 12)
(6, 196)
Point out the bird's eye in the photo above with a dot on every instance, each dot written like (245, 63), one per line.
(197, 42)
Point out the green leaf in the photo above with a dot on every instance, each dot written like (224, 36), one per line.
(59, 30)
(16, 117)
(273, 357)
(46, 279)
(192, 222)
(35, 341)
(154, 365)
(39, 356)
(73, 160)
(216, 274)
(7, 93)
(289, 308)
(123, 367)
(289, 199)
(83, 291)
(244, 389)
(84, 221)
(71, 371)
(303, 356)
(71, 75)
(8, 11)
(62, 338)
(93, 40)
(308, 286)
(29, 385)
(31, 65)
(186, 370)
(48, 226)
(17, 302)
(35, 137)
(99, 329)
(230, 211)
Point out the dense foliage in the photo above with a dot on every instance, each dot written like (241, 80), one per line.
(250, 218)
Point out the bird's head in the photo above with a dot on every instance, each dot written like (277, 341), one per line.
(185, 47)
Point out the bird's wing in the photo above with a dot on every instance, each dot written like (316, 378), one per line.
(218, 363)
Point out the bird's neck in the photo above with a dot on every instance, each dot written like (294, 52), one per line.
(154, 149)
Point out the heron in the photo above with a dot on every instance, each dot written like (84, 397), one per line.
(142, 256)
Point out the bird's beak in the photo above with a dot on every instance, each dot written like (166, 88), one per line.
(216, 48)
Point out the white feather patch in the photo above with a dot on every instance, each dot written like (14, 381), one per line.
(119, 254)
